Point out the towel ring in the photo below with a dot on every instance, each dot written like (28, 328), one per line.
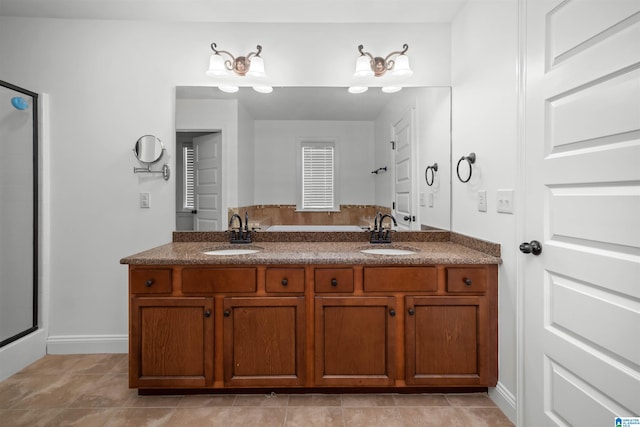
(471, 159)
(433, 168)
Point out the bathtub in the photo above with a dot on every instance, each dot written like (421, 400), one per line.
(303, 228)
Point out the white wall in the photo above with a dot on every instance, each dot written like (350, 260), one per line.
(276, 151)
(111, 82)
(485, 106)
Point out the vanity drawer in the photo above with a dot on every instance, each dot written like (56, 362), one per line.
(407, 279)
(207, 280)
(150, 280)
(333, 279)
(466, 279)
(285, 280)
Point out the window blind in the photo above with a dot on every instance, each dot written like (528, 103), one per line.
(317, 176)
(189, 178)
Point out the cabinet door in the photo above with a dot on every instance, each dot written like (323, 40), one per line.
(264, 341)
(171, 342)
(355, 341)
(447, 342)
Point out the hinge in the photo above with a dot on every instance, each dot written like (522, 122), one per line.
(393, 145)
(393, 204)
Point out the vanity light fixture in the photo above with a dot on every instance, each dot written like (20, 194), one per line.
(226, 69)
(367, 66)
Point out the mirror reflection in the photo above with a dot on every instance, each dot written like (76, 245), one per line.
(262, 154)
(148, 149)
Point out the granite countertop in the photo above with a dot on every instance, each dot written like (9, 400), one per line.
(316, 252)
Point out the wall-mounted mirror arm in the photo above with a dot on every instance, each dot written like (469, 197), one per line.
(166, 172)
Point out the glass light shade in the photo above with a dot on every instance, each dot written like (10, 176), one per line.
(256, 67)
(263, 89)
(358, 89)
(391, 89)
(228, 88)
(401, 67)
(216, 66)
(363, 67)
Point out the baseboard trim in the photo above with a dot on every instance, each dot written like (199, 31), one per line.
(87, 344)
(21, 353)
(505, 400)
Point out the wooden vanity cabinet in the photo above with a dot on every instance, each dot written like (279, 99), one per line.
(171, 342)
(313, 326)
(264, 341)
(355, 341)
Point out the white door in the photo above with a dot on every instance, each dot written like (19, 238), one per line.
(208, 190)
(403, 172)
(581, 295)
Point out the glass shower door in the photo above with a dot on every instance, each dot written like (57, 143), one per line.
(18, 212)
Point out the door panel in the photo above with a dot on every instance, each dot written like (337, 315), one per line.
(583, 202)
(207, 164)
(404, 181)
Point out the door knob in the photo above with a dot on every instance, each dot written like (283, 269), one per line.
(409, 218)
(534, 247)
(194, 211)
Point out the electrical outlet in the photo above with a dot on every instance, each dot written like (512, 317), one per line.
(505, 201)
(145, 200)
(482, 200)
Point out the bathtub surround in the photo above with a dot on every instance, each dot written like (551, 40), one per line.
(262, 216)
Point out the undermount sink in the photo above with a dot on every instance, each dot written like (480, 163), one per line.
(387, 251)
(232, 251)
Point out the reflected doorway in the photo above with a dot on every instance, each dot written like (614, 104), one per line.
(198, 184)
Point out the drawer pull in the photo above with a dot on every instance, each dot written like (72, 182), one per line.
(411, 312)
(207, 313)
(467, 281)
(334, 282)
(149, 282)
(226, 313)
(392, 313)
(285, 282)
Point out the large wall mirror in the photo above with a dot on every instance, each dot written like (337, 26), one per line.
(18, 212)
(241, 151)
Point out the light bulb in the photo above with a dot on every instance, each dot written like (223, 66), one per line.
(256, 67)
(401, 67)
(228, 88)
(263, 89)
(216, 66)
(363, 67)
(358, 89)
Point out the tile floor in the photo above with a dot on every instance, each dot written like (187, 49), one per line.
(92, 390)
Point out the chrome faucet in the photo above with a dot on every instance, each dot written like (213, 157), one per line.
(238, 235)
(379, 234)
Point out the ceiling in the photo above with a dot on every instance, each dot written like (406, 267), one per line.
(285, 11)
(302, 103)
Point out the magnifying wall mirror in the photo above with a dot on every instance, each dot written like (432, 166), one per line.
(149, 150)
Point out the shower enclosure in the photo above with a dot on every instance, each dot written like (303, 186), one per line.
(18, 212)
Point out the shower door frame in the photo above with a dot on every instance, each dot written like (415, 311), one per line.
(35, 212)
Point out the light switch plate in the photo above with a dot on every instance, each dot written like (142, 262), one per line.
(505, 201)
(430, 199)
(145, 200)
(422, 199)
(482, 200)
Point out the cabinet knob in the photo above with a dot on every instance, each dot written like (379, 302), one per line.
(207, 313)
(227, 313)
(285, 282)
(467, 281)
(334, 282)
(149, 282)
(411, 312)
(392, 312)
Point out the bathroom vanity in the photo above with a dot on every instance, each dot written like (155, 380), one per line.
(311, 315)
